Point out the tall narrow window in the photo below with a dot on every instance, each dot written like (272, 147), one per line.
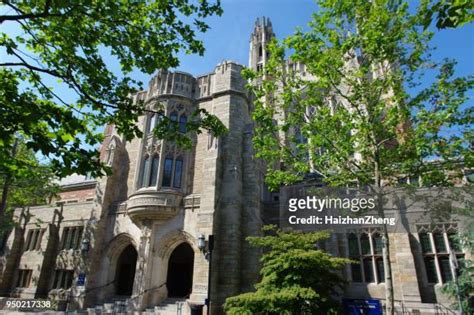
(368, 270)
(72, 237)
(24, 278)
(354, 254)
(167, 172)
(174, 120)
(144, 171)
(436, 247)
(151, 123)
(365, 244)
(182, 123)
(439, 242)
(33, 239)
(378, 245)
(366, 251)
(63, 279)
(425, 243)
(445, 269)
(430, 266)
(380, 269)
(178, 170)
(154, 171)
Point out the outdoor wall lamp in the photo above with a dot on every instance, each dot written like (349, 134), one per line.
(206, 247)
(201, 242)
(85, 244)
(208, 254)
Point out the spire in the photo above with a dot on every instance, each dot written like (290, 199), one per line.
(259, 39)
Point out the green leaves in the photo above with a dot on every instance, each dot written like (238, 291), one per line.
(297, 277)
(353, 117)
(449, 13)
(200, 120)
(73, 42)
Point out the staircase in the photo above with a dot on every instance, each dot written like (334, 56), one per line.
(117, 306)
(120, 306)
(171, 307)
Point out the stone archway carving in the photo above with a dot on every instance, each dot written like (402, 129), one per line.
(170, 241)
(113, 250)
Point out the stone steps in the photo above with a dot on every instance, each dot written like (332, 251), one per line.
(120, 307)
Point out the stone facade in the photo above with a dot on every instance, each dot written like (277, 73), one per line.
(160, 200)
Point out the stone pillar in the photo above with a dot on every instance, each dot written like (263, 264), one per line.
(141, 283)
(251, 216)
(405, 280)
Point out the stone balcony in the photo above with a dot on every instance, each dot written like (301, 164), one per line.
(153, 205)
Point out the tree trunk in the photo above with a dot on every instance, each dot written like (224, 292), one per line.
(389, 307)
(6, 189)
(389, 296)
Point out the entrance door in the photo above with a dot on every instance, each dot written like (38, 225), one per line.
(125, 273)
(180, 271)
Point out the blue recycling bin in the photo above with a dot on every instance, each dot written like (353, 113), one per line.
(362, 307)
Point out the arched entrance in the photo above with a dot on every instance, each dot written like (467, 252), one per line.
(125, 272)
(180, 271)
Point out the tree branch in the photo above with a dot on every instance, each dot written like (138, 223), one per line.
(28, 16)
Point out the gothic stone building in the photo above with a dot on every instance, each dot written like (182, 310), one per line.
(134, 236)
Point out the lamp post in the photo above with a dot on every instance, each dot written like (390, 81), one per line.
(208, 255)
(85, 244)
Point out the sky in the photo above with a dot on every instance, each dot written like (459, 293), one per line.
(229, 34)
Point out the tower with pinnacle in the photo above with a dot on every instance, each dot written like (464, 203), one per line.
(259, 40)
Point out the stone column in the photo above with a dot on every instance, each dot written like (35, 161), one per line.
(141, 283)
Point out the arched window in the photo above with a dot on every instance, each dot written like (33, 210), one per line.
(154, 171)
(260, 51)
(182, 123)
(178, 170)
(167, 172)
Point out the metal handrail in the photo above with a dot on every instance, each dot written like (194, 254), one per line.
(147, 290)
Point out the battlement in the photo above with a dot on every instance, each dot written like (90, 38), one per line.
(167, 82)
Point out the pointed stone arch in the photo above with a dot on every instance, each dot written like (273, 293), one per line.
(113, 250)
(118, 244)
(170, 241)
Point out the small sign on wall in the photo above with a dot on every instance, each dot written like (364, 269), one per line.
(81, 279)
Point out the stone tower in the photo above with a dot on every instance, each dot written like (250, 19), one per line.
(259, 39)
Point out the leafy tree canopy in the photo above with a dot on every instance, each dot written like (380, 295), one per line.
(361, 113)
(297, 277)
(365, 112)
(449, 13)
(30, 183)
(65, 41)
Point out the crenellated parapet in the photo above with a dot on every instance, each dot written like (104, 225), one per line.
(172, 83)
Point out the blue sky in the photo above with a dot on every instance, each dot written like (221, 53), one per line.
(228, 37)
